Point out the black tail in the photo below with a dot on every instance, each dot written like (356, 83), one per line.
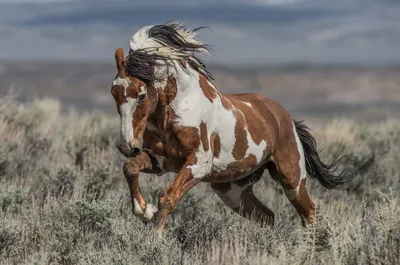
(324, 173)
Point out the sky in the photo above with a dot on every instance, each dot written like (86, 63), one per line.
(242, 32)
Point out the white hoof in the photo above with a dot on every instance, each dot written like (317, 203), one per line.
(150, 211)
(136, 208)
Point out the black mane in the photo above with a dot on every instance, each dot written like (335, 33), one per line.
(142, 62)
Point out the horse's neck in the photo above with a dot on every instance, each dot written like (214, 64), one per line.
(187, 97)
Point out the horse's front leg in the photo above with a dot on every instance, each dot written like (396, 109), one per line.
(132, 167)
(190, 174)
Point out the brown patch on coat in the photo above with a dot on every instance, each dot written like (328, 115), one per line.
(304, 204)
(261, 118)
(152, 140)
(164, 115)
(152, 99)
(168, 200)
(134, 87)
(119, 58)
(119, 97)
(215, 143)
(241, 143)
(139, 123)
(143, 110)
(226, 102)
(208, 90)
(204, 136)
(254, 123)
(286, 157)
(170, 90)
(188, 138)
(234, 170)
(183, 63)
(131, 168)
(243, 165)
(279, 123)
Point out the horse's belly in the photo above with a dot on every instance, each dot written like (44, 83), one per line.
(227, 169)
(230, 174)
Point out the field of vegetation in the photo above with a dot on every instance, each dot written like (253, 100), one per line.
(64, 200)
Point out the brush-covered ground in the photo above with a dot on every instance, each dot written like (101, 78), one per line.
(55, 212)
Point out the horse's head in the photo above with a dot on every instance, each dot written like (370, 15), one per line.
(135, 102)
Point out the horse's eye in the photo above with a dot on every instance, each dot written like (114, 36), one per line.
(141, 97)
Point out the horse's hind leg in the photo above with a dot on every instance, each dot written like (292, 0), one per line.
(239, 196)
(289, 170)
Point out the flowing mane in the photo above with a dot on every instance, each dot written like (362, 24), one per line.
(153, 45)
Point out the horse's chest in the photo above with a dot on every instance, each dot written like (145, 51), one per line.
(180, 144)
(171, 149)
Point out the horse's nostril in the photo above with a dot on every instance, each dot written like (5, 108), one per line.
(135, 152)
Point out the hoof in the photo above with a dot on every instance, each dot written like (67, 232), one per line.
(149, 212)
(145, 215)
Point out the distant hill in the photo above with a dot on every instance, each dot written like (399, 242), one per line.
(307, 91)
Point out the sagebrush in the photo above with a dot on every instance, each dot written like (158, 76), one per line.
(64, 200)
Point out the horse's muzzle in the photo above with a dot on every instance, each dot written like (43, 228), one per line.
(129, 152)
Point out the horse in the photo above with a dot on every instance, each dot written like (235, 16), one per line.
(174, 119)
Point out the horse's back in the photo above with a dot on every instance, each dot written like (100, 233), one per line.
(266, 114)
(262, 104)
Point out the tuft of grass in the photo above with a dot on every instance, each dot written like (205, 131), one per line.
(54, 210)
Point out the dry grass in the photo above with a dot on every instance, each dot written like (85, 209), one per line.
(52, 212)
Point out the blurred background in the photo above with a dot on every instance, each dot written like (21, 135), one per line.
(317, 58)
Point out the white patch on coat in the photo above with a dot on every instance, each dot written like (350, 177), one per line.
(254, 149)
(125, 82)
(302, 161)
(127, 109)
(248, 104)
(203, 164)
(143, 89)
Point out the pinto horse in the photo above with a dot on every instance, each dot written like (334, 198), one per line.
(173, 119)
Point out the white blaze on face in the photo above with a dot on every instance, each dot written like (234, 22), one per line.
(127, 109)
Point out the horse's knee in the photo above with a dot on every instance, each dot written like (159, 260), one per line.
(131, 167)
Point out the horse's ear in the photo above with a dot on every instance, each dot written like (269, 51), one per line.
(119, 58)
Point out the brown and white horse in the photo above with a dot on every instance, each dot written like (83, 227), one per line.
(173, 119)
